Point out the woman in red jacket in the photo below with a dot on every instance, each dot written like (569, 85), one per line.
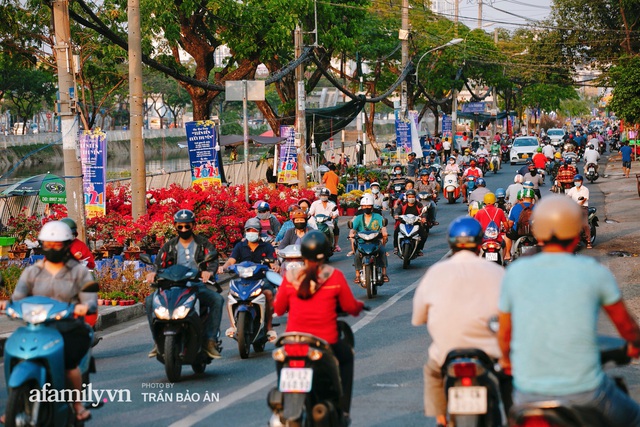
(312, 295)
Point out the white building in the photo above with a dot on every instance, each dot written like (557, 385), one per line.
(443, 7)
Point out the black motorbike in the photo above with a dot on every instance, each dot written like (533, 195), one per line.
(178, 318)
(593, 223)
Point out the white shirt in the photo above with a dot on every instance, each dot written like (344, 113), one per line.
(512, 193)
(482, 151)
(456, 298)
(591, 156)
(446, 145)
(575, 193)
(317, 208)
(548, 151)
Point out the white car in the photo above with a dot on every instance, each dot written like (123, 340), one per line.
(523, 149)
(556, 136)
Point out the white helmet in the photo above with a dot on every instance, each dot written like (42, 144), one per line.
(518, 179)
(55, 231)
(367, 200)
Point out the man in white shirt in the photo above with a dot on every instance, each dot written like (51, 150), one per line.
(455, 298)
(580, 194)
(548, 151)
(324, 206)
(591, 155)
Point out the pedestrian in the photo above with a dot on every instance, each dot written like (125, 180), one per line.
(331, 180)
(625, 152)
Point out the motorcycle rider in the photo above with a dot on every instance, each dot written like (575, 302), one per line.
(548, 150)
(424, 185)
(501, 194)
(482, 151)
(565, 175)
(452, 166)
(556, 357)
(312, 295)
(481, 190)
(410, 207)
(368, 220)
(268, 221)
(512, 235)
(466, 158)
(287, 225)
(535, 178)
(253, 249)
(78, 248)
(324, 206)
(455, 298)
(189, 249)
(60, 276)
(570, 154)
(304, 204)
(378, 198)
(413, 165)
(490, 212)
(580, 194)
(591, 156)
(495, 151)
(294, 235)
(539, 159)
(471, 171)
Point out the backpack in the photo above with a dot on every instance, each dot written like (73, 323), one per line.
(524, 220)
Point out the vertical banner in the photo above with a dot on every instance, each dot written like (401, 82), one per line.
(446, 125)
(204, 153)
(93, 155)
(415, 139)
(403, 134)
(288, 159)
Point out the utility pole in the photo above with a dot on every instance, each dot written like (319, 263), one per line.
(403, 35)
(301, 124)
(454, 93)
(67, 111)
(479, 13)
(495, 91)
(138, 169)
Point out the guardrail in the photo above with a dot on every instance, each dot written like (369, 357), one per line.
(112, 135)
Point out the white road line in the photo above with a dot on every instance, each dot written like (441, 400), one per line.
(270, 379)
(125, 330)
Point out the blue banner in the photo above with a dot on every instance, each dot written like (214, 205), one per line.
(93, 155)
(204, 153)
(446, 125)
(403, 134)
(474, 107)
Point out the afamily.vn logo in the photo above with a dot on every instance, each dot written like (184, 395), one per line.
(87, 395)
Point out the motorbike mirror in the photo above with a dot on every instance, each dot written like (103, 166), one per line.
(350, 224)
(91, 287)
(146, 259)
(385, 221)
(493, 324)
(208, 258)
(274, 278)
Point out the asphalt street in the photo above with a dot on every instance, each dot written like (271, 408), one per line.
(232, 392)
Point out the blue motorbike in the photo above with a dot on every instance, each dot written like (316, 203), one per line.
(34, 362)
(246, 305)
(369, 247)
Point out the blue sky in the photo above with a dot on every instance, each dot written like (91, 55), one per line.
(504, 11)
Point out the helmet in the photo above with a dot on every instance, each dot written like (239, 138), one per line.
(539, 150)
(592, 146)
(55, 231)
(256, 204)
(304, 201)
(253, 223)
(314, 245)
(501, 193)
(472, 162)
(481, 182)
(292, 208)
(296, 214)
(467, 151)
(578, 177)
(465, 233)
(325, 192)
(375, 183)
(556, 216)
(411, 192)
(528, 193)
(412, 154)
(518, 179)
(72, 225)
(184, 216)
(424, 172)
(489, 199)
(264, 207)
(367, 200)
(452, 158)
(557, 155)
(527, 184)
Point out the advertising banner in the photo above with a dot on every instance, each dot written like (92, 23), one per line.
(93, 156)
(204, 153)
(288, 156)
(403, 134)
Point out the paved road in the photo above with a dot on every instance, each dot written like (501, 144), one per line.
(389, 358)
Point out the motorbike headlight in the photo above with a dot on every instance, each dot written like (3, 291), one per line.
(35, 313)
(11, 313)
(245, 272)
(367, 236)
(256, 292)
(162, 313)
(180, 312)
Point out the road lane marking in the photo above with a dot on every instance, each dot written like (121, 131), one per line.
(125, 330)
(271, 379)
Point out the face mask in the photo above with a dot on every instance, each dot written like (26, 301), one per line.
(451, 162)
(411, 199)
(186, 235)
(367, 211)
(375, 190)
(264, 215)
(54, 255)
(300, 225)
(324, 198)
(578, 184)
(252, 236)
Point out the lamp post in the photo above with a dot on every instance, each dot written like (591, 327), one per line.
(449, 43)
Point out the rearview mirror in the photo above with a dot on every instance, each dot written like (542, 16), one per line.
(146, 259)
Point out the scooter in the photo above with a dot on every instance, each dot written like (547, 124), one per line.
(322, 224)
(593, 222)
(451, 188)
(591, 174)
(369, 246)
(557, 413)
(246, 306)
(177, 324)
(408, 238)
(483, 164)
(494, 163)
(290, 259)
(491, 248)
(34, 361)
(309, 384)
(504, 152)
(525, 245)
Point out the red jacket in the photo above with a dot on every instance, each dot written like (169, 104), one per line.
(81, 252)
(316, 315)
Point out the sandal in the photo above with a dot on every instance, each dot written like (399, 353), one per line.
(356, 280)
(385, 278)
(231, 332)
(272, 335)
(84, 415)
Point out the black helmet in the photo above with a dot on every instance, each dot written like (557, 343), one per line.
(411, 192)
(184, 216)
(314, 246)
(325, 192)
(72, 225)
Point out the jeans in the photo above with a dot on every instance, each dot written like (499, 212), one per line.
(618, 408)
(208, 298)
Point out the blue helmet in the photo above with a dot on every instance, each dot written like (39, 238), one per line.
(184, 216)
(481, 182)
(264, 207)
(465, 233)
(578, 177)
(501, 193)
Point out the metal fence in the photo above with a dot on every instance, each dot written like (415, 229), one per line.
(112, 135)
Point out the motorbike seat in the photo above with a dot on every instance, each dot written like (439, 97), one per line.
(559, 414)
(469, 353)
(302, 338)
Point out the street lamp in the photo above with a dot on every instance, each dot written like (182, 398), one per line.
(449, 43)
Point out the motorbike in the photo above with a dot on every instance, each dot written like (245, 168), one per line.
(525, 245)
(178, 320)
(556, 413)
(246, 305)
(369, 247)
(34, 361)
(451, 188)
(322, 224)
(290, 258)
(491, 248)
(408, 238)
(309, 384)
(505, 149)
(494, 164)
(483, 164)
(593, 222)
(471, 184)
(602, 146)
(591, 173)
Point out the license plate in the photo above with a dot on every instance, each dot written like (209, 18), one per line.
(296, 380)
(491, 256)
(467, 400)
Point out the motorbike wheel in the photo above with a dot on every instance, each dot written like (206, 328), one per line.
(172, 364)
(368, 281)
(199, 367)
(466, 420)
(592, 228)
(406, 256)
(258, 347)
(19, 407)
(451, 198)
(244, 341)
(346, 334)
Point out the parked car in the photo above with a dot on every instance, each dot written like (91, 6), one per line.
(523, 149)
(556, 135)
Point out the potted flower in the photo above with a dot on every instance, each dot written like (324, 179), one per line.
(23, 227)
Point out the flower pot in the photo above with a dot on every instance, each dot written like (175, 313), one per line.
(351, 211)
(114, 303)
(107, 302)
(122, 302)
(100, 302)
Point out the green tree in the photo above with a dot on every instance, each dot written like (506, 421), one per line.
(625, 78)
